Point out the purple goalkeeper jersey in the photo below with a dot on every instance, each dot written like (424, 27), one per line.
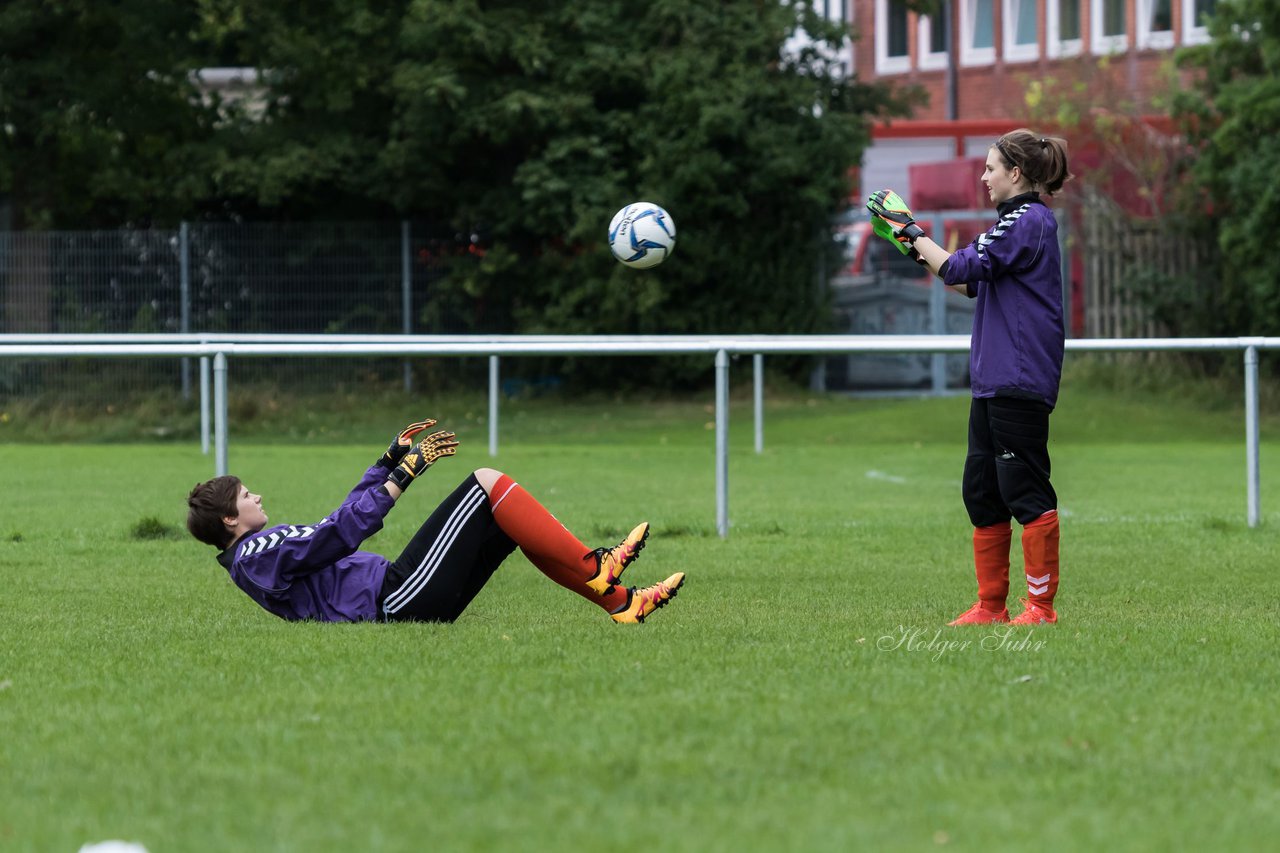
(1015, 271)
(314, 571)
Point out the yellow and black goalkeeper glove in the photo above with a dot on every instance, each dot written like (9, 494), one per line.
(421, 457)
(402, 442)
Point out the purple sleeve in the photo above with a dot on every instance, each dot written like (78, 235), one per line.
(1012, 244)
(375, 476)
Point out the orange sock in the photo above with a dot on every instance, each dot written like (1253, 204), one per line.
(545, 541)
(1040, 555)
(991, 563)
(572, 581)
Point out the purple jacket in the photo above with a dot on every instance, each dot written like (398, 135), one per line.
(1015, 271)
(314, 571)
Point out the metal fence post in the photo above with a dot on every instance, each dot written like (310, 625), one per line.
(220, 414)
(938, 315)
(204, 404)
(493, 405)
(1252, 465)
(757, 368)
(722, 443)
(184, 283)
(406, 296)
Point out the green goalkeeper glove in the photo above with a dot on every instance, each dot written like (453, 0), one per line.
(421, 457)
(883, 229)
(402, 442)
(888, 207)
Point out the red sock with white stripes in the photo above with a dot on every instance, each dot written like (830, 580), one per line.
(1040, 556)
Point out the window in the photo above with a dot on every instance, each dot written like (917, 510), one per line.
(840, 56)
(893, 54)
(1155, 23)
(1063, 37)
(977, 37)
(1021, 30)
(1194, 13)
(933, 41)
(1110, 34)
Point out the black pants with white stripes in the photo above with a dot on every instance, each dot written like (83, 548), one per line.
(1006, 473)
(448, 561)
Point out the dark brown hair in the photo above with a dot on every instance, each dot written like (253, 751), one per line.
(1043, 159)
(208, 504)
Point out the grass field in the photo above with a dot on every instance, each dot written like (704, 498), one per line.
(800, 694)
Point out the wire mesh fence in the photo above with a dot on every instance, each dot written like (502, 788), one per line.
(315, 278)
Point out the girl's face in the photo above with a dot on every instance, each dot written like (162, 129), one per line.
(249, 506)
(1002, 184)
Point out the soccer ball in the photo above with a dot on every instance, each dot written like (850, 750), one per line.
(642, 235)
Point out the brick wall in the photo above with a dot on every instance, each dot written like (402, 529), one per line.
(996, 91)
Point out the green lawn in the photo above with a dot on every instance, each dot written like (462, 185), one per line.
(800, 694)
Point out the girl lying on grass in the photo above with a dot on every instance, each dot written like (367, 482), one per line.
(315, 571)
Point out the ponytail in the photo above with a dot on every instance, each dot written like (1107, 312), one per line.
(1043, 159)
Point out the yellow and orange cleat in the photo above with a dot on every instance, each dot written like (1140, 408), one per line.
(979, 615)
(642, 602)
(610, 562)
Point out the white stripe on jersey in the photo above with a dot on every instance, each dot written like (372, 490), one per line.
(270, 540)
(988, 237)
(435, 555)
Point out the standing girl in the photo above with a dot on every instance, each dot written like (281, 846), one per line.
(1014, 271)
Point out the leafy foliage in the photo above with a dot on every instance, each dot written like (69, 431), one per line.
(101, 122)
(517, 127)
(1231, 116)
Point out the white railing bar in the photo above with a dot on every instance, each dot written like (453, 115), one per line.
(206, 345)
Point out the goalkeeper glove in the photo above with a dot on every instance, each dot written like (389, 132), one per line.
(888, 207)
(421, 457)
(402, 442)
(882, 229)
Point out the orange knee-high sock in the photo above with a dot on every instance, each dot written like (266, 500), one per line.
(1040, 554)
(991, 564)
(572, 580)
(537, 531)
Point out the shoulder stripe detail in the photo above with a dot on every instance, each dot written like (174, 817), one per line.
(998, 231)
(267, 541)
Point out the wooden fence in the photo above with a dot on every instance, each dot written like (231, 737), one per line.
(1116, 250)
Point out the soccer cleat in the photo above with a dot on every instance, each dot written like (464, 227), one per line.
(642, 602)
(610, 562)
(978, 615)
(1036, 613)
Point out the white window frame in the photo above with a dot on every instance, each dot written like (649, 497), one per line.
(1014, 52)
(1192, 34)
(886, 64)
(1054, 46)
(1148, 38)
(1099, 43)
(926, 59)
(969, 55)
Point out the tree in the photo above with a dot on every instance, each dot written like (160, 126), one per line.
(1231, 115)
(101, 124)
(519, 125)
(529, 122)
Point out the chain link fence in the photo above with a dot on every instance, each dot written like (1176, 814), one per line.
(354, 278)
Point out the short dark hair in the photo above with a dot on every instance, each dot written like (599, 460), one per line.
(209, 503)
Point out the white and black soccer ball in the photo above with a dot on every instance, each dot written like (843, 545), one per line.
(642, 235)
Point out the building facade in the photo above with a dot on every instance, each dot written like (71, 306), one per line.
(976, 60)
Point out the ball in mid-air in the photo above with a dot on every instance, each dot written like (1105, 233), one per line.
(642, 235)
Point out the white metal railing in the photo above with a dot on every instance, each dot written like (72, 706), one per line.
(721, 347)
